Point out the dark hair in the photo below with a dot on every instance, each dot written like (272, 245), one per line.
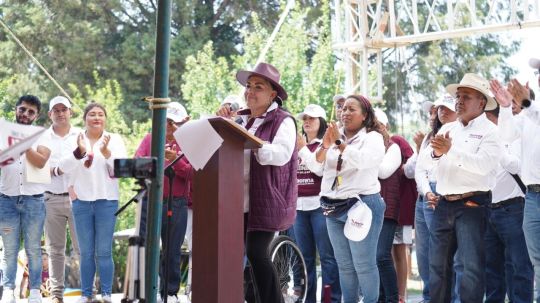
(322, 128)
(494, 111)
(370, 123)
(32, 100)
(92, 105)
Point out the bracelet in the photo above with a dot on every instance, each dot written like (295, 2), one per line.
(78, 154)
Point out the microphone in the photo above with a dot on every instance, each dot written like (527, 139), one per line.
(234, 106)
(174, 161)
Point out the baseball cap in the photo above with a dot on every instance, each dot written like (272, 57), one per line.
(534, 63)
(446, 100)
(358, 221)
(426, 106)
(312, 110)
(338, 97)
(59, 100)
(176, 112)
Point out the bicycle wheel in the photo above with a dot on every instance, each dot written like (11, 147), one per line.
(290, 268)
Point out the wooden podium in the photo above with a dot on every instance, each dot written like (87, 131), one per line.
(218, 218)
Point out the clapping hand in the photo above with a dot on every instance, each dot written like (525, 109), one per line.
(81, 145)
(104, 148)
(300, 141)
(418, 139)
(502, 95)
(441, 144)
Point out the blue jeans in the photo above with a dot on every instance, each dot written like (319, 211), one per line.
(508, 266)
(422, 217)
(312, 236)
(357, 262)
(461, 228)
(177, 232)
(387, 272)
(531, 228)
(22, 215)
(94, 223)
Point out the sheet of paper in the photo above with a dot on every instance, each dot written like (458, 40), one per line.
(199, 141)
(16, 139)
(38, 175)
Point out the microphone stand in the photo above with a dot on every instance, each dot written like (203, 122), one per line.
(170, 174)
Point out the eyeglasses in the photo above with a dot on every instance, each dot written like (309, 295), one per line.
(537, 72)
(22, 110)
(339, 106)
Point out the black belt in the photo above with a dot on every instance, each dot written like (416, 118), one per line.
(457, 197)
(535, 188)
(507, 202)
(60, 194)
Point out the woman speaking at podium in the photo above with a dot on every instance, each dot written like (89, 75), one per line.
(270, 189)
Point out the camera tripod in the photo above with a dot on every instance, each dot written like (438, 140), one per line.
(134, 285)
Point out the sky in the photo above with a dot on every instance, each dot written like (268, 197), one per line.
(530, 47)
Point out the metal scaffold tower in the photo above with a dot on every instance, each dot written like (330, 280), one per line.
(365, 27)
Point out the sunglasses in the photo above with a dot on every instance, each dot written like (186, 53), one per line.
(22, 110)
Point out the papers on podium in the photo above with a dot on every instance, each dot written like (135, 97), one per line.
(198, 141)
(15, 139)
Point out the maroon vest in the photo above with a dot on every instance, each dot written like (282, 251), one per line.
(273, 190)
(408, 191)
(309, 184)
(390, 191)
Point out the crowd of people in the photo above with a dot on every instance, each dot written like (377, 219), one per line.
(350, 192)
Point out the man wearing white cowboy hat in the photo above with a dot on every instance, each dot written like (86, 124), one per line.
(526, 126)
(467, 153)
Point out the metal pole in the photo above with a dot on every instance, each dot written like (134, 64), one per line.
(161, 90)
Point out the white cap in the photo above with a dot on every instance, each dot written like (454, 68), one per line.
(447, 101)
(338, 97)
(59, 100)
(312, 110)
(176, 112)
(381, 116)
(534, 63)
(426, 106)
(358, 221)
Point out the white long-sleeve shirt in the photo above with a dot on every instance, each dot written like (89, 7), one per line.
(506, 186)
(360, 168)
(425, 170)
(60, 147)
(470, 164)
(278, 152)
(391, 162)
(13, 178)
(525, 125)
(97, 181)
(312, 202)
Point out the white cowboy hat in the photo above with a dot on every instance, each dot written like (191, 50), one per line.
(477, 83)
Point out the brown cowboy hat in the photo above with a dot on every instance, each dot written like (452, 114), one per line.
(266, 71)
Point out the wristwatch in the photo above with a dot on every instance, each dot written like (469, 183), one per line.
(525, 103)
(338, 142)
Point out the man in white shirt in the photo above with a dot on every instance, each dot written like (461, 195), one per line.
(22, 211)
(62, 138)
(508, 267)
(525, 125)
(466, 152)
